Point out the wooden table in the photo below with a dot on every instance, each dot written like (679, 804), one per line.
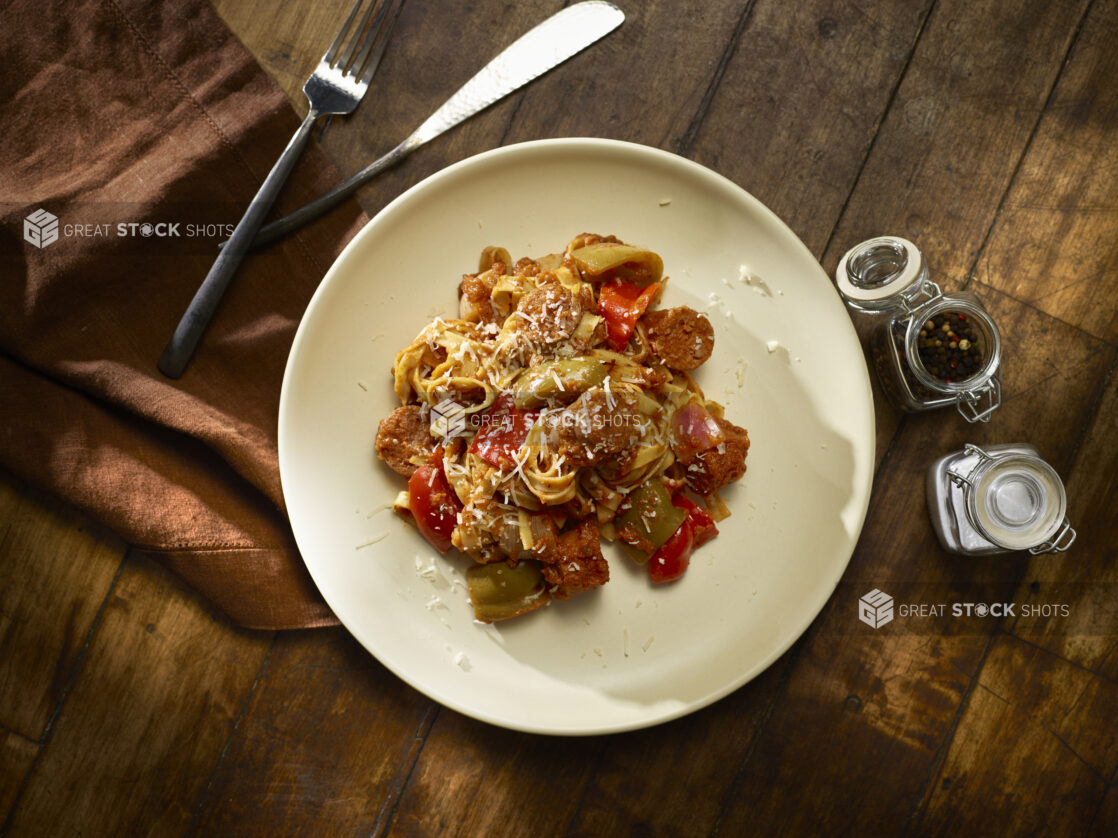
(984, 130)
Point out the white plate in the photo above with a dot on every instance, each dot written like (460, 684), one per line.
(628, 655)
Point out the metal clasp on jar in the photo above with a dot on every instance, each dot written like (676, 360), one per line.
(970, 406)
(1057, 542)
(963, 481)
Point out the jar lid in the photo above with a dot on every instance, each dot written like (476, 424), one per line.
(1017, 501)
(878, 269)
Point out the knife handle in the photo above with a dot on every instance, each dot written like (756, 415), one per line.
(328, 200)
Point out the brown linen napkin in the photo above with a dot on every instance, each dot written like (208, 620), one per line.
(145, 129)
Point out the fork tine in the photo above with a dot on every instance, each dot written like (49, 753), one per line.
(356, 35)
(391, 9)
(328, 58)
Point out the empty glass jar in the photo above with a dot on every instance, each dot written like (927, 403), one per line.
(930, 349)
(998, 499)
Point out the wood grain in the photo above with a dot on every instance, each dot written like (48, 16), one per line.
(1055, 245)
(162, 684)
(17, 755)
(412, 81)
(674, 780)
(1046, 361)
(55, 569)
(790, 122)
(1084, 579)
(674, 48)
(795, 129)
(1020, 762)
(436, 48)
(288, 40)
(321, 744)
(475, 779)
(1106, 818)
(958, 127)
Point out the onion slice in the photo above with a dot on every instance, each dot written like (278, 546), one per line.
(695, 430)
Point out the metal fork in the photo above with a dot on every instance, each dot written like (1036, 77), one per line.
(335, 87)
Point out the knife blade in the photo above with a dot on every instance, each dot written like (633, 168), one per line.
(561, 36)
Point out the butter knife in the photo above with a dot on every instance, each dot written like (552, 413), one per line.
(549, 44)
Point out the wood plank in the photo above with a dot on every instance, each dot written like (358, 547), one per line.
(55, 569)
(476, 779)
(287, 39)
(1054, 245)
(673, 779)
(1033, 750)
(160, 687)
(1106, 818)
(323, 745)
(958, 127)
(859, 699)
(790, 121)
(17, 754)
(675, 47)
(1084, 580)
(1044, 360)
(911, 460)
(857, 728)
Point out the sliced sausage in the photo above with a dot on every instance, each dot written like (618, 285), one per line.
(681, 337)
(576, 564)
(598, 425)
(549, 314)
(404, 439)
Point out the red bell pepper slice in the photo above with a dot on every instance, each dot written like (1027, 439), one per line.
(433, 503)
(701, 521)
(622, 304)
(673, 557)
(504, 427)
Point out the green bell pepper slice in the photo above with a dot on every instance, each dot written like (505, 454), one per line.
(498, 592)
(609, 260)
(651, 519)
(557, 379)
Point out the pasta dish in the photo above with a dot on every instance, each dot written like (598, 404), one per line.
(555, 410)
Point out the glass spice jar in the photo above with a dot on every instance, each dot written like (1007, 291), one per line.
(930, 349)
(997, 499)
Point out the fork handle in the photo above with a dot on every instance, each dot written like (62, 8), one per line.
(188, 333)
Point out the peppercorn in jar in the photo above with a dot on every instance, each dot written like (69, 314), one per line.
(930, 349)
